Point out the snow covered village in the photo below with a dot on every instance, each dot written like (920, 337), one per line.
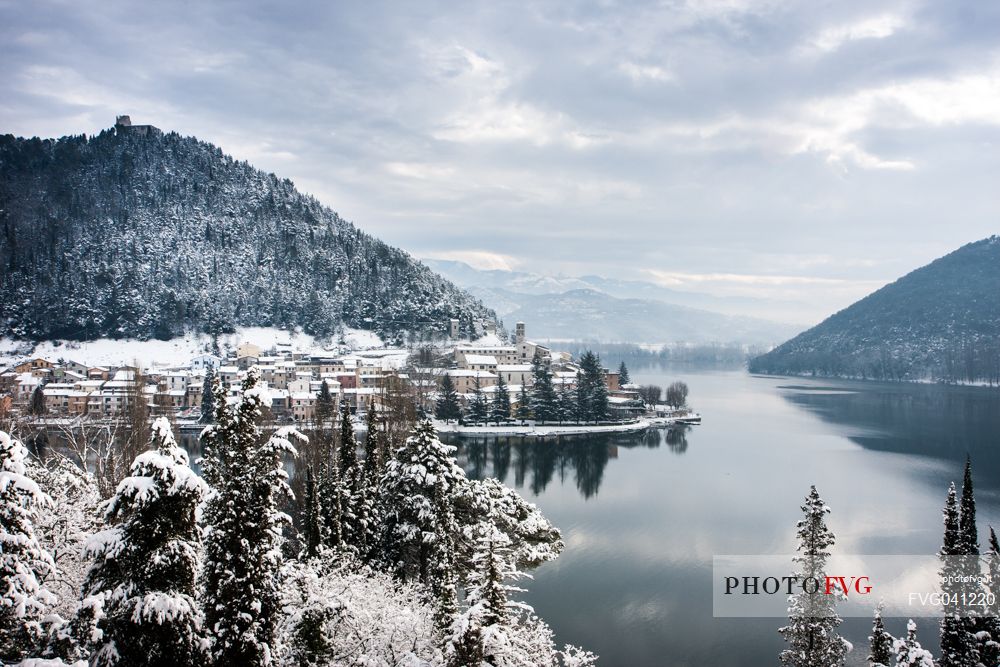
(511, 384)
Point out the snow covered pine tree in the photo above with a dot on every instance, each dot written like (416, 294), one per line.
(244, 527)
(418, 493)
(882, 643)
(24, 563)
(811, 632)
(958, 644)
(145, 564)
(909, 652)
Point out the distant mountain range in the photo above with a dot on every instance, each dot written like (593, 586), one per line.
(939, 322)
(609, 310)
(143, 234)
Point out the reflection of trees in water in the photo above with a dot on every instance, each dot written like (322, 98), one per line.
(677, 439)
(537, 462)
(932, 420)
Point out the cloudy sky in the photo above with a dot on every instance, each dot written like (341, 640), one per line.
(806, 151)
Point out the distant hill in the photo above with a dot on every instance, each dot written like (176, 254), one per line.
(143, 234)
(593, 308)
(523, 282)
(940, 322)
(590, 315)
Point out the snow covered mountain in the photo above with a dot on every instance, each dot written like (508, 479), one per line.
(939, 322)
(603, 309)
(590, 315)
(143, 234)
(524, 282)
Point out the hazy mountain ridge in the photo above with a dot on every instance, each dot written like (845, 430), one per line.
(533, 283)
(571, 308)
(587, 314)
(939, 322)
(147, 236)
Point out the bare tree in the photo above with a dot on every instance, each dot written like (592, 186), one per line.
(677, 394)
(650, 394)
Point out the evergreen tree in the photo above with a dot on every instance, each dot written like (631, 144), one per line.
(371, 471)
(418, 493)
(353, 523)
(967, 514)
(312, 519)
(623, 377)
(490, 588)
(374, 463)
(882, 643)
(24, 563)
(324, 404)
(989, 648)
(448, 405)
(500, 409)
(958, 645)
(909, 652)
(243, 543)
(592, 389)
(144, 565)
(544, 402)
(208, 397)
(443, 577)
(331, 502)
(488, 624)
(567, 404)
(599, 405)
(582, 397)
(811, 633)
(523, 404)
(479, 408)
(36, 406)
(466, 646)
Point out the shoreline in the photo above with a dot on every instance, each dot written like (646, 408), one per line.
(543, 431)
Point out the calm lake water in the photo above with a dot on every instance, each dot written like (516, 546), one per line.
(642, 516)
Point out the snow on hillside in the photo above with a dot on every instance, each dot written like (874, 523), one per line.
(177, 351)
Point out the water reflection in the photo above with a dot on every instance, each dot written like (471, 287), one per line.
(929, 420)
(532, 464)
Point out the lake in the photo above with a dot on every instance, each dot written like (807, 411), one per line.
(643, 515)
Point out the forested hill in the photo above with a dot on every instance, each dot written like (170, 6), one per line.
(940, 322)
(149, 234)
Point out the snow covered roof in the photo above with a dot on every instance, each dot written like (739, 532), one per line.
(481, 359)
(513, 368)
(461, 372)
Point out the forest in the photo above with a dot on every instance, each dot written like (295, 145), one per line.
(124, 235)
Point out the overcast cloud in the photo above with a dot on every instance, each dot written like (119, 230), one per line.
(799, 150)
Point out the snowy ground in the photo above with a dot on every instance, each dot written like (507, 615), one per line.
(533, 431)
(108, 352)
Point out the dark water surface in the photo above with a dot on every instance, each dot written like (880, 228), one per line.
(642, 516)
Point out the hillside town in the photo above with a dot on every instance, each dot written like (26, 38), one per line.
(295, 379)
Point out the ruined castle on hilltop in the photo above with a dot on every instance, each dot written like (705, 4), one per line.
(124, 124)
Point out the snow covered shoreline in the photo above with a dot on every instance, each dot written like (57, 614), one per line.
(534, 431)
